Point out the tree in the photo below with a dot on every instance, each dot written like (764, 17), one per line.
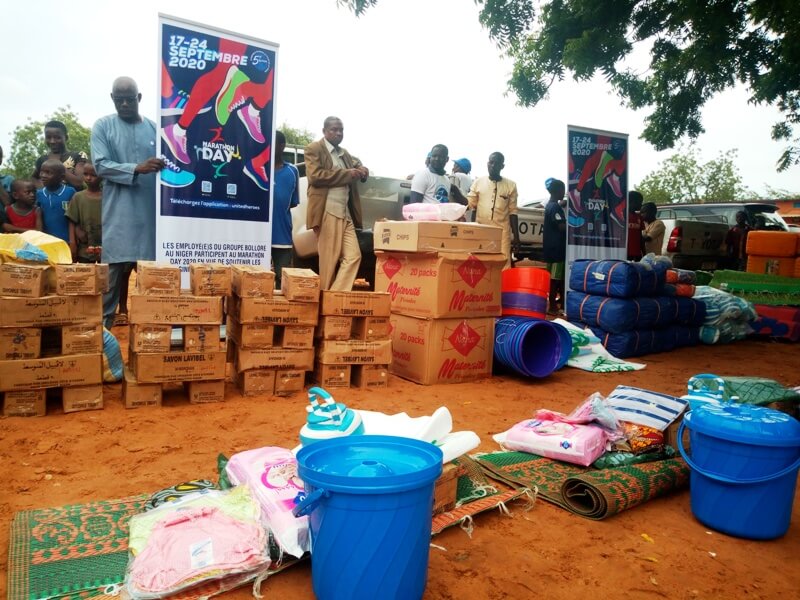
(295, 136)
(683, 178)
(697, 48)
(27, 141)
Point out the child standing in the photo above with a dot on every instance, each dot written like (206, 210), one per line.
(22, 214)
(54, 198)
(84, 216)
(56, 137)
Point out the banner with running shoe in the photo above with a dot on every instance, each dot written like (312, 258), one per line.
(597, 194)
(216, 125)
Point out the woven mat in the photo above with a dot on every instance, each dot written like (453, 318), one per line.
(475, 494)
(591, 493)
(71, 551)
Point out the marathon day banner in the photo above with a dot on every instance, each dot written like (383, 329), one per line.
(216, 130)
(597, 193)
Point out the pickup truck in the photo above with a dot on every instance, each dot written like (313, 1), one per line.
(384, 198)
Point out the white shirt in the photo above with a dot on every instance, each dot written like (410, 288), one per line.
(434, 188)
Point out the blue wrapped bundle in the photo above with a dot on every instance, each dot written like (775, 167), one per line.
(642, 341)
(616, 278)
(690, 311)
(616, 315)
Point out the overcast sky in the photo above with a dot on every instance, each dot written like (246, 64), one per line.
(409, 74)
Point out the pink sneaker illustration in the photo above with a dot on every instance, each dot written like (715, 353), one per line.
(175, 139)
(251, 117)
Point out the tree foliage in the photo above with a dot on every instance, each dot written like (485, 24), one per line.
(296, 136)
(684, 178)
(697, 49)
(27, 141)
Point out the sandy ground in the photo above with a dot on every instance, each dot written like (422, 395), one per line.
(545, 552)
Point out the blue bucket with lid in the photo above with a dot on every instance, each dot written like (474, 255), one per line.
(369, 500)
(744, 466)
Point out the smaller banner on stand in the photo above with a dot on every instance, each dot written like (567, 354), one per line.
(597, 193)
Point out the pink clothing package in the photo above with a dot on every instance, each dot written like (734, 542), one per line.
(573, 443)
(271, 473)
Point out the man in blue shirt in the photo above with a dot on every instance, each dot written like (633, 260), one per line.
(555, 241)
(285, 195)
(54, 198)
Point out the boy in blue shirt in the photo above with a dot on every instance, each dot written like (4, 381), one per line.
(54, 198)
(285, 195)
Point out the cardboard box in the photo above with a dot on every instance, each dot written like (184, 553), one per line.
(210, 279)
(299, 359)
(84, 397)
(442, 285)
(50, 311)
(250, 335)
(300, 285)
(58, 371)
(201, 338)
(256, 382)
(289, 381)
(23, 280)
(442, 351)
(203, 392)
(671, 434)
(150, 338)
(81, 339)
(81, 279)
(176, 310)
(435, 236)
(368, 377)
(356, 304)
(372, 328)
(352, 352)
(334, 328)
(20, 342)
(157, 279)
(136, 395)
(445, 488)
(276, 310)
(332, 376)
(25, 403)
(252, 282)
(296, 336)
(161, 367)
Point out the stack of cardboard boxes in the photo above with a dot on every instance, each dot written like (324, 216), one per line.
(272, 336)
(354, 344)
(51, 336)
(444, 280)
(159, 305)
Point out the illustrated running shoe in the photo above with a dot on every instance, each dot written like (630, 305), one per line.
(174, 176)
(176, 142)
(174, 104)
(257, 174)
(227, 98)
(251, 117)
(328, 419)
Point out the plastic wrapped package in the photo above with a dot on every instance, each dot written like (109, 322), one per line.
(572, 443)
(616, 315)
(616, 278)
(209, 535)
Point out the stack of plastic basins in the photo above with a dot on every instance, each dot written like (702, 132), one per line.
(773, 253)
(51, 336)
(625, 306)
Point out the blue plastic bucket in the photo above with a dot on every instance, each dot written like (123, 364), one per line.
(370, 505)
(744, 467)
(531, 347)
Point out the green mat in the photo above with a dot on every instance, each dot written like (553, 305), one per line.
(73, 550)
(771, 290)
(591, 493)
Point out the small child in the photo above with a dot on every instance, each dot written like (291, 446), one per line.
(84, 216)
(55, 138)
(22, 214)
(54, 198)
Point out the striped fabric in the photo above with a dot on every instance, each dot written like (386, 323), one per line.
(644, 407)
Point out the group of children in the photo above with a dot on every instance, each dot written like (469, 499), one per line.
(62, 198)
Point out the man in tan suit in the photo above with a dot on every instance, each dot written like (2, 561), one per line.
(334, 207)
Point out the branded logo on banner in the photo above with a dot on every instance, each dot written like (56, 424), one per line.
(464, 338)
(391, 266)
(472, 271)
